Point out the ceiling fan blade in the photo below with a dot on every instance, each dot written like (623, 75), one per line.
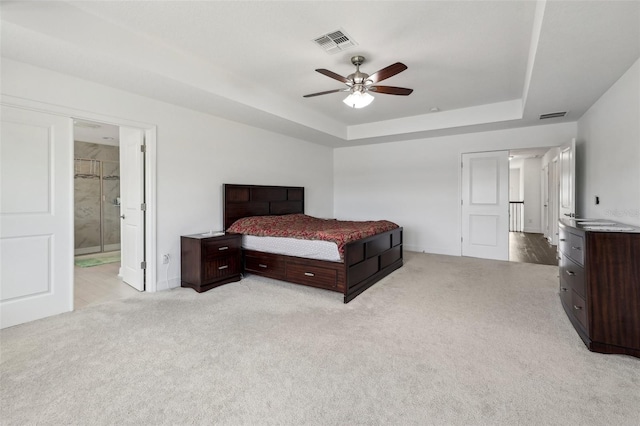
(332, 75)
(390, 90)
(325, 93)
(387, 72)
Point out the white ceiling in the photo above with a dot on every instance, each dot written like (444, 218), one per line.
(94, 132)
(484, 64)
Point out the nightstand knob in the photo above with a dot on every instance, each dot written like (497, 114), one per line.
(262, 265)
(223, 267)
(223, 248)
(309, 274)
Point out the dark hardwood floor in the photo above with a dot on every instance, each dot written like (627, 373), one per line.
(531, 248)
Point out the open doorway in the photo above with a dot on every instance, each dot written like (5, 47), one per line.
(97, 215)
(529, 201)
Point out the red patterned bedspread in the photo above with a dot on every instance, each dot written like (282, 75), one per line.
(306, 227)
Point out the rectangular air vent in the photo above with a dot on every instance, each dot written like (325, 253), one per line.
(335, 41)
(553, 115)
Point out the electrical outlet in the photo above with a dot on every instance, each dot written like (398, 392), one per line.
(166, 258)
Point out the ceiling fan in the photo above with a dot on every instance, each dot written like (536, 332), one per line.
(360, 83)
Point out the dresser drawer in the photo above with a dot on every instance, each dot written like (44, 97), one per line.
(265, 264)
(572, 245)
(565, 293)
(312, 275)
(572, 275)
(579, 308)
(220, 267)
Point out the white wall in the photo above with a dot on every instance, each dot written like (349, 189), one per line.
(196, 154)
(608, 153)
(417, 183)
(514, 183)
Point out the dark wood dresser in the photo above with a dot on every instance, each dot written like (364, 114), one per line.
(600, 283)
(207, 261)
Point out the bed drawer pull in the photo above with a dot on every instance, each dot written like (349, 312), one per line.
(570, 273)
(262, 265)
(223, 248)
(310, 274)
(223, 267)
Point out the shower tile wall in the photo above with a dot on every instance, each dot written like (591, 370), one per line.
(87, 197)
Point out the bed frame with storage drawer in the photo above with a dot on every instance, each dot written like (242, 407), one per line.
(366, 261)
(600, 284)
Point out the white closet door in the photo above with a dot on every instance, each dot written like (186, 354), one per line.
(568, 180)
(485, 205)
(132, 214)
(36, 210)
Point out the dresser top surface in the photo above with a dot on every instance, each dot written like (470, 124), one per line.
(600, 225)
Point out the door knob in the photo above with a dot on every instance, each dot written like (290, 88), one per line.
(121, 216)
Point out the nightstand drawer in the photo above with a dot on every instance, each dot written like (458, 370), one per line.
(221, 247)
(311, 275)
(220, 267)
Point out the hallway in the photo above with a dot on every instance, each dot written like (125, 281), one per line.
(531, 248)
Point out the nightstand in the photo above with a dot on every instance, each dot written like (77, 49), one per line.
(209, 260)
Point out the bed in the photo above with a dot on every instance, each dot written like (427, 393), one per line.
(363, 262)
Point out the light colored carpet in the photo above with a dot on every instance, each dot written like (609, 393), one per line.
(442, 341)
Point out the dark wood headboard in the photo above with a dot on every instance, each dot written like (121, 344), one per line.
(259, 200)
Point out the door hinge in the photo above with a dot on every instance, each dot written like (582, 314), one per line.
(461, 239)
(143, 207)
(461, 202)
(143, 148)
(143, 265)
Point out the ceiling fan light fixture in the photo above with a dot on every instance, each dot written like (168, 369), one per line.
(358, 99)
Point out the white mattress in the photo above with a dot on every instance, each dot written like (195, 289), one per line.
(310, 249)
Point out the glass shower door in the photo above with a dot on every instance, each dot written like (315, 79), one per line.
(97, 206)
(110, 205)
(88, 185)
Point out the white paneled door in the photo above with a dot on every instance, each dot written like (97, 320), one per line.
(568, 180)
(36, 202)
(485, 205)
(131, 210)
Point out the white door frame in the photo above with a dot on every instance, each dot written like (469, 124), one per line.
(150, 167)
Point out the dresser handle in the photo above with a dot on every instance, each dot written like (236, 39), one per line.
(577, 308)
(262, 265)
(570, 273)
(576, 248)
(563, 289)
(223, 248)
(223, 267)
(309, 274)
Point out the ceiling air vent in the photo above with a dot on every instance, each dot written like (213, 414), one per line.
(553, 115)
(335, 41)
